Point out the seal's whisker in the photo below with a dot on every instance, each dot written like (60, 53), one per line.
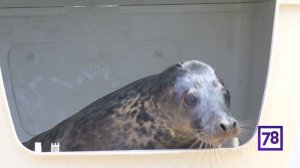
(247, 123)
(201, 145)
(211, 138)
(246, 126)
(243, 137)
(243, 123)
(245, 132)
(193, 144)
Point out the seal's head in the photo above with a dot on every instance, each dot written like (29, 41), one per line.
(201, 101)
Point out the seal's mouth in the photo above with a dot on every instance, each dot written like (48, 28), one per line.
(217, 141)
(208, 143)
(213, 138)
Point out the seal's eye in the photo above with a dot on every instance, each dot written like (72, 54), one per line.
(191, 100)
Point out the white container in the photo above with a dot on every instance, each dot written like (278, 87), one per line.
(55, 61)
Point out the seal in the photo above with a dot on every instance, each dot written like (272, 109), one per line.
(186, 104)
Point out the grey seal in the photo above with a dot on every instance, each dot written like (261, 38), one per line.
(184, 105)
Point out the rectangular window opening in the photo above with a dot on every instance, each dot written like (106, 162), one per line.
(58, 64)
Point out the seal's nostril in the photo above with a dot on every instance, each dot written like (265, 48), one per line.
(234, 124)
(223, 127)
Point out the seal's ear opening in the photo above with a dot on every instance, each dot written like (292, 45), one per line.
(179, 65)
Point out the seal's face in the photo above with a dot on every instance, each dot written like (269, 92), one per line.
(201, 95)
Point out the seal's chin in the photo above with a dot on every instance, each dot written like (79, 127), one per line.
(216, 141)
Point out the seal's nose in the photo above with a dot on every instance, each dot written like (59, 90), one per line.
(229, 126)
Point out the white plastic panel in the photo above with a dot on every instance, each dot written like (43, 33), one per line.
(56, 64)
(280, 107)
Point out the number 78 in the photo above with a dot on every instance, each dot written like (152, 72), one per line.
(274, 137)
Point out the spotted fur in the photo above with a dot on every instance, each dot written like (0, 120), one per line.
(146, 114)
